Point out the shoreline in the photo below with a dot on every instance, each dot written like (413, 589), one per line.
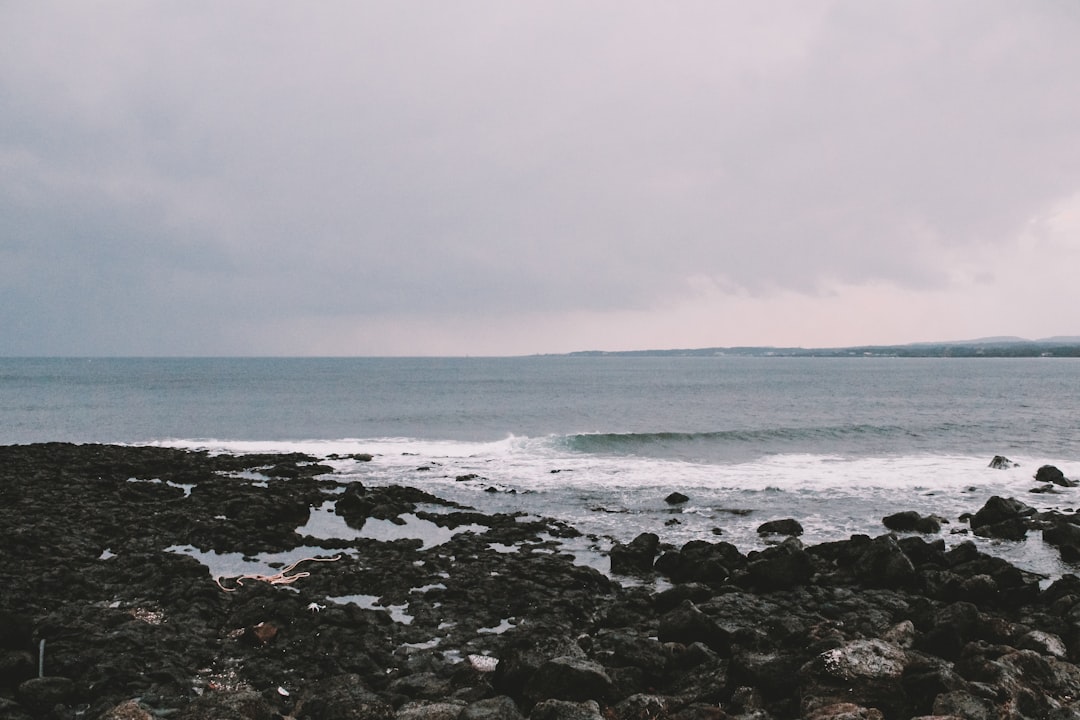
(491, 617)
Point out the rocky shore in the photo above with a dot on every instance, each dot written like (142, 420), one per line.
(106, 610)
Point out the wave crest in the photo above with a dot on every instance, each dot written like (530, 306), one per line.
(765, 441)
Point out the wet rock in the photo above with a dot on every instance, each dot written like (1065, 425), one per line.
(261, 633)
(771, 671)
(43, 693)
(1043, 643)
(1046, 489)
(11, 710)
(865, 672)
(1051, 474)
(622, 647)
(569, 678)
(687, 624)
(15, 667)
(883, 563)
(674, 596)
(422, 686)
(237, 705)
(1011, 529)
(343, 697)
(566, 710)
(736, 636)
(527, 652)
(635, 557)
(1000, 462)
(429, 711)
(786, 526)
(780, 567)
(963, 704)
(1035, 685)
(642, 706)
(911, 521)
(701, 562)
(1061, 533)
(1002, 518)
(844, 711)
(998, 509)
(676, 498)
(496, 708)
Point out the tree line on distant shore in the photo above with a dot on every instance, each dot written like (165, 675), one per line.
(964, 349)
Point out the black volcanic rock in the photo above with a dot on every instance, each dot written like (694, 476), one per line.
(1000, 462)
(863, 627)
(787, 526)
(781, 566)
(1051, 474)
(911, 521)
(636, 556)
(1003, 518)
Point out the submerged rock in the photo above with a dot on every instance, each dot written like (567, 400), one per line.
(1000, 462)
(787, 526)
(911, 521)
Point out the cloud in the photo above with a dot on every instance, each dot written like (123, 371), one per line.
(369, 177)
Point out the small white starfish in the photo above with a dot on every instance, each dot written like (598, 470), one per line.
(315, 607)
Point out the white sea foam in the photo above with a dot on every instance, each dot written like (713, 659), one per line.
(613, 498)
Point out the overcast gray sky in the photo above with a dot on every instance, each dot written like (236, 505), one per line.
(205, 178)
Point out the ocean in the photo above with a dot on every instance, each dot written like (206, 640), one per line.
(599, 442)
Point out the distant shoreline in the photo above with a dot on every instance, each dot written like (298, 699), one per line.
(990, 349)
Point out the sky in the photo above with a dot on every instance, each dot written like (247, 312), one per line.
(262, 177)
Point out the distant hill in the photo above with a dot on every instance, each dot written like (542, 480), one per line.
(1063, 346)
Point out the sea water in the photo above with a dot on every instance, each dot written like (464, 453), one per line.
(599, 442)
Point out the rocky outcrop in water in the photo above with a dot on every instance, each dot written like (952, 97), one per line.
(99, 618)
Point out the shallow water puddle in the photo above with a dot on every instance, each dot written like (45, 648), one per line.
(499, 629)
(233, 565)
(427, 588)
(157, 481)
(324, 523)
(371, 602)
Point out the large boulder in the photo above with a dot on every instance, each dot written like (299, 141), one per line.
(865, 672)
(1037, 685)
(883, 563)
(701, 561)
(1051, 474)
(635, 557)
(527, 653)
(785, 526)
(1002, 518)
(687, 624)
(911, 521)
(569, 678)
(780, 567)
(1061, 533)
